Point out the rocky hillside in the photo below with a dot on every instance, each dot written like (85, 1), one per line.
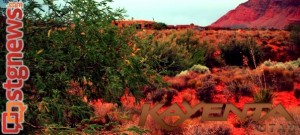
(262, 14)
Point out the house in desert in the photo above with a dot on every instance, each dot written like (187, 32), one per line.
(140, 24)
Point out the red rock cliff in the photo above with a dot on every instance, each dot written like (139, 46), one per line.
(262, 14)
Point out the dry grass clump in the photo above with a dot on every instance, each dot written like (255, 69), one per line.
(206, 91)
(238, 82)
(279, 79)
(240, 87)
(263, 96)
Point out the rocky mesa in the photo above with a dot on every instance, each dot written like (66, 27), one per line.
(262, 14)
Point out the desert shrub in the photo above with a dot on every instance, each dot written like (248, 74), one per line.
(297, 93)
(173, 54)
(196, 68)
(205, 92)
(93, 51)
(240, 87)
(199, 52)
(290, 72)
(263, 96)
(296, 63)
(295, 37)
(164, 96)
(278, 79)
(291, 65)
(296, 75)
(183, 73)
(294, 33)
(169, 56)
(235, 52)
(269, 52)
(200, 69)
(211, 58)
(159, 26)
(178, 82)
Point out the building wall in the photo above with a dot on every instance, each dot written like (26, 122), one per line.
(140, 24)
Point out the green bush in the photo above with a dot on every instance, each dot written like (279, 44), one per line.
(159, 26)
(296, 63)
(294, 33)
(170, 56)
(297, 93)
(234, 52)
(92, 51)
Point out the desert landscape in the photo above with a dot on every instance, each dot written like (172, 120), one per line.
(92, 72)
(278, 72)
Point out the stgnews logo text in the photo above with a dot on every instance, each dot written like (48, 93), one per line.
(213, 112)
(16, 72)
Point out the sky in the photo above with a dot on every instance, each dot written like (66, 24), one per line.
(199, 12)
(173, 12)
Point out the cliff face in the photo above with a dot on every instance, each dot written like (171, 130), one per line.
(262, 14)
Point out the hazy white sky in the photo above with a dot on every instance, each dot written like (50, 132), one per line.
(199, 12)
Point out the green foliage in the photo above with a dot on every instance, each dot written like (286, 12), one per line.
(196, 68)
(137, 130)
(234, 52)
(295, 37)
(159, 26)
(170, 56)
(59, 55)
(263, 96)
(295, 34)
(296, 63)
(291, 65)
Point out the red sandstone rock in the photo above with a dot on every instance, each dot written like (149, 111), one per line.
(262, 14)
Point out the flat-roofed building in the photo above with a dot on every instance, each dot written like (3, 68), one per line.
(140, 24)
